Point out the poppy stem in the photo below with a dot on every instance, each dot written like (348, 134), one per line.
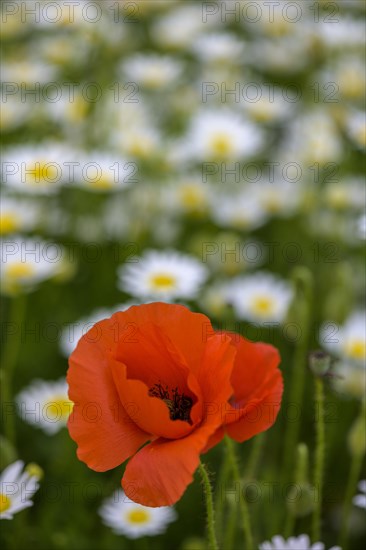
(319, 456)
(244, 510)
(304, 282)
(358, 453)
(212, 540)
(9, 362)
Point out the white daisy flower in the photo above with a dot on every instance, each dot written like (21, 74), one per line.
(17, 215)
(187, 194)
(45, 404)
(28, 71)
(348, 342)
(101, 172)
(302, 542)
(260, 298)
(16, 489)
(348, 74)
(178, 28)
(347, 33)
(26, 262)
(70, 111)
(273, 55)
(356, 128)
(14, 112)
(239, 211)
(268, 106)
(74, 331)
(361, 227)
(280, 197)
(344, 195)
(37, 169)
(218, 48)
(360, 500)
(313, 137)
(163, 275)
(153, 71)
(133, 520)
(221, 135)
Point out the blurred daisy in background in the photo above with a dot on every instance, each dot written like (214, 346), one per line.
(313, 137)
(279, 198)
(133, 520)
(101, 172)
(14, 111)
(347, 342)
(45, 404)
(265, 105)
(302, 542)
(238, 210)
(28, 71)
(356, 128)
(221, 135)
(163, 275)
(219, 48)
(360, 500)
(345, 195)
(16, 489)
(186, 195)
(38, 168)
(177, 29)
(25, 262)
(260, 298)
(153, 71)
(17, 215)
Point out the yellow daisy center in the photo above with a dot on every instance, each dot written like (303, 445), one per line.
(9, 223)
(19, 270)
(262, 305)
(43, 171)
(356, 349)
(221, 144)
(138, 516)
(5, 503)
(191, 196)
(59, 407)
(78, 110)
(163, 281)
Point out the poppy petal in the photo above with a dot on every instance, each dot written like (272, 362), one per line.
(188, 330)
(159, 473)
(105, 434)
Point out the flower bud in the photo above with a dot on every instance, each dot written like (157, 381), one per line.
(34, 470)
(301, 499)
(357, 437)
(320, 362)
(194, 543)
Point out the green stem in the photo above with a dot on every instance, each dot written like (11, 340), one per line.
(212, 541)
(242, 502)
(354, 474)
(230, 529)
(254, 455)
(219, 497)
(305, 294)
(319, 457)
(9, 361)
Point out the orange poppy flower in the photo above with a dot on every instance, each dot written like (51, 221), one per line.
(157, 384)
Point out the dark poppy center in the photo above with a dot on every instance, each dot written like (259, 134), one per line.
(178, 403)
